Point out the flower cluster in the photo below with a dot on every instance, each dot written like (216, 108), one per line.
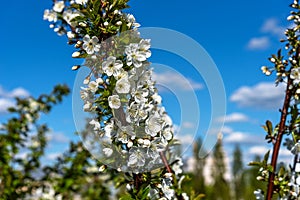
(134, 130)
(138, 126)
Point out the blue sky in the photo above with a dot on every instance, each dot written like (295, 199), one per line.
(238, 36)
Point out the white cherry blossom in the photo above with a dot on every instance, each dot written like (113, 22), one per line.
(50, 15)
(69, 15)
(111, 65)
(114, 101)
(108, 152)
(295, 75)
(153, 125)
(90, 45)
(59, 6)
(81, 1)
(123, 86)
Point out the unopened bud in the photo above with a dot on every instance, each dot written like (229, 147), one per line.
(116, 12)
(129, 144)
(272, 60)
(75, 67)
(99, 81)
(86, 80)
(82, 24)
(105, 24)
(119, 23)
(291, 17)
(102, 168)
(259, 178)
(78, 44)
(76, 54)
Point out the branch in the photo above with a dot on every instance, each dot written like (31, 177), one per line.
(164, 159)
(281, 130)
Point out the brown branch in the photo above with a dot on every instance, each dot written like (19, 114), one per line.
(138, 181)
(164, 159)
(281, 130)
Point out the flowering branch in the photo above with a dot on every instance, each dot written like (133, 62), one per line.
(284, 183)
(281, 131)
(133, 129)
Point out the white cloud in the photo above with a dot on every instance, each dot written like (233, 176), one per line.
(188, 125)
(175, 80)
(18, 92)
(272, 26)
(285, 152)
(264, 95)
(7, 97)
(258, 43)
(185, 139)
(53, 156)
(258, 150)
(241, 137)
(226, 130)
(5, 104)
(58, 137)
(234, 117)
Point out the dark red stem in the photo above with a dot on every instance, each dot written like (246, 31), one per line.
(281, 130)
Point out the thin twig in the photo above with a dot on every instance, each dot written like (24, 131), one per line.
(164, 159)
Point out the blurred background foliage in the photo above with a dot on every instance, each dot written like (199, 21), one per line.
(76, 175)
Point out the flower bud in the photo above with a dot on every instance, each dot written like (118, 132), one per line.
(272, 60)
(76, 54)
(78, 44)
(86, 80)
(119, 23)
(140, 141)
(105, 24)
(102, 168)
(291, 17)
(76, 67)
(259, 178)
(82, 24)
(99, 81)
(129, 144)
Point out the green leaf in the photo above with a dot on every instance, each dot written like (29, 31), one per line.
(96, 6)
(269, 127)
(126, 197)
(199, 197)
(255, 163)
(281, 172)
(266, 157)
(144, 193)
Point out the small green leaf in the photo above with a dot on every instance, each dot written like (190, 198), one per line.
(266, 157)
(254, 163)
(126, 197)
(199, 197)
(269, 127)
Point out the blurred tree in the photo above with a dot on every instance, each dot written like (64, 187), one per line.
(22, 144)
(200, 161)
(220, 188)
(76, 175)
(250, 180)
(23, 140)
(237, 173)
